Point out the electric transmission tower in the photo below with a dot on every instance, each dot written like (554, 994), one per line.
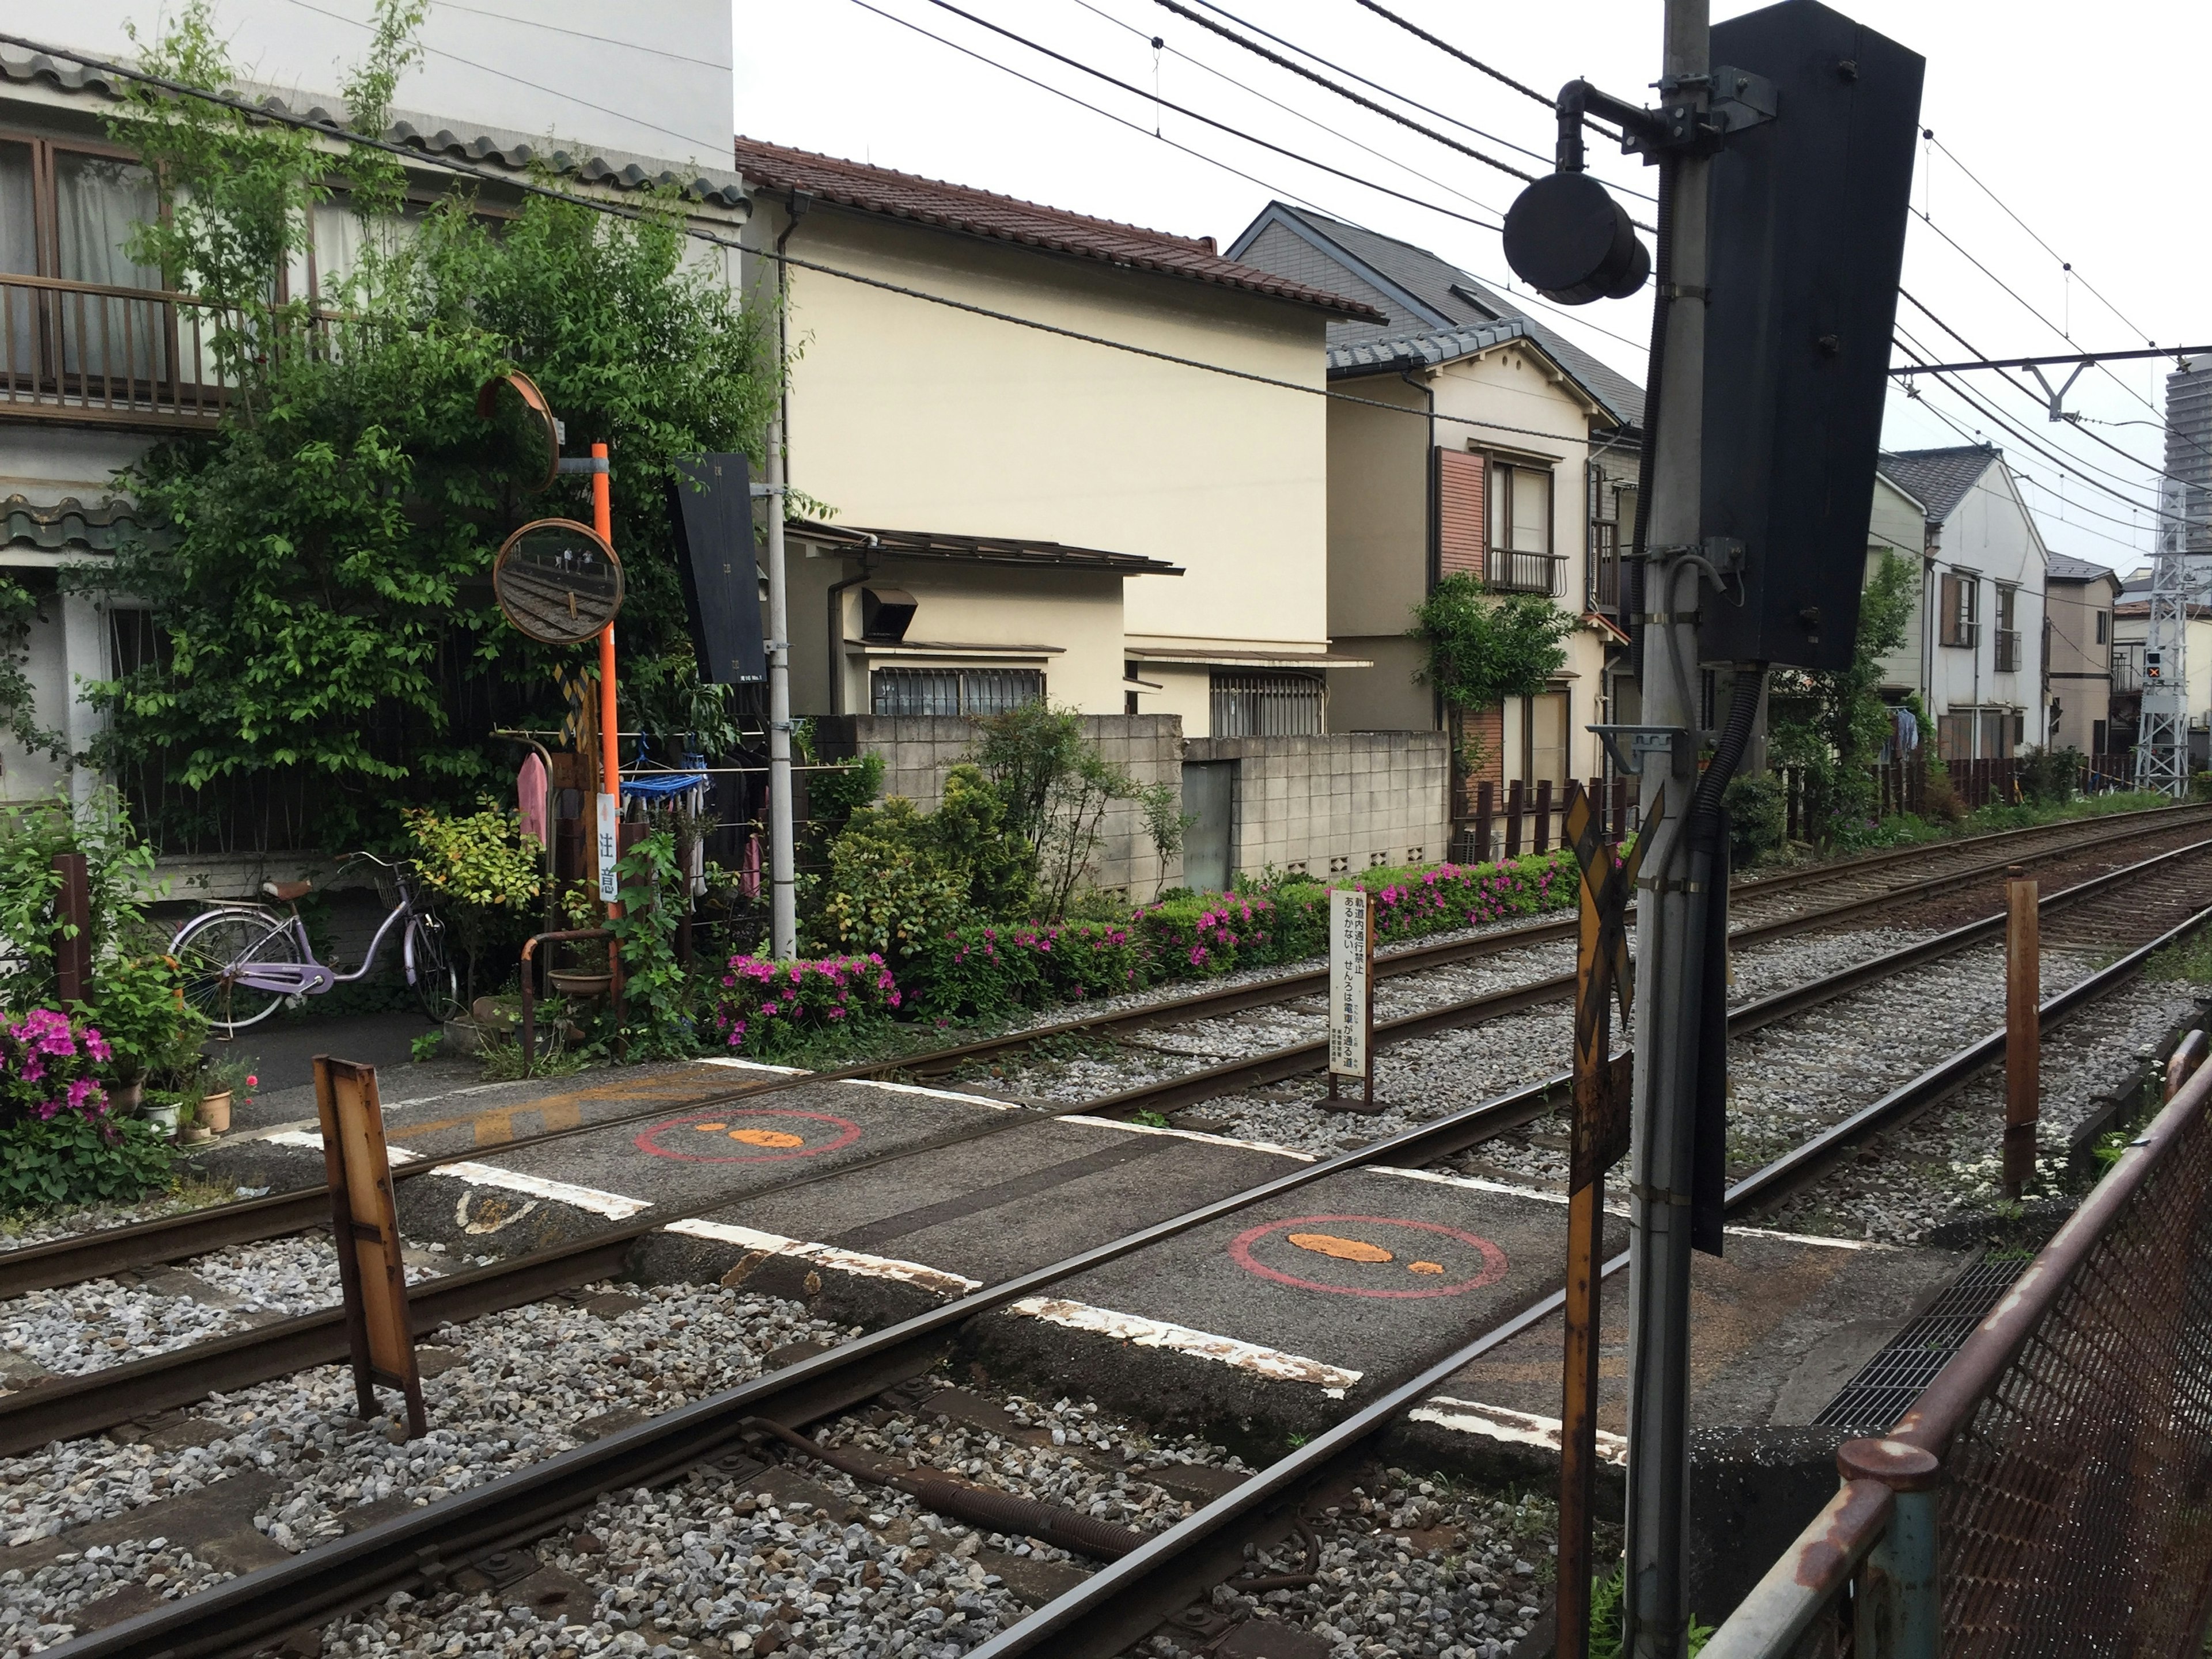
(2162, 737)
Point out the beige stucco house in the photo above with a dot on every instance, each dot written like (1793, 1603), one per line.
(1163, 528)
(1897, 527)
(1499, 450)
(2078, 600)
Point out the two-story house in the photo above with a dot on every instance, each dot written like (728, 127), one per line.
(1499, 450)
(1982, 595)
(2078, 598)
(97, 360)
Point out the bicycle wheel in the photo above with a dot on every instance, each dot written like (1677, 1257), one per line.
(437, 987)
(210, 951)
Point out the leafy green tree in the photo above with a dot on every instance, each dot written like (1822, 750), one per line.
(320, 579)
(1479, 647)
(1832, 725)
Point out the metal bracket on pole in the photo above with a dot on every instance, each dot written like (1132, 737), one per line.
(583, 463)
(1671, 741)
(762, 491)
(2057, 396)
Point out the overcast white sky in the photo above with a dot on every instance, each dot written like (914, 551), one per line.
(2050, 106)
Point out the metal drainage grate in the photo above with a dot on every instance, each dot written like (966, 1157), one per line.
(1888, 1384)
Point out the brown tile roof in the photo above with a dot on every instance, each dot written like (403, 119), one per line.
(1006, 219)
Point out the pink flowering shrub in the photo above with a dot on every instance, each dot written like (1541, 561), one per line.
(47, 1062)
(982, 969)
(768, 1008)
(59, 1143)
(1205, 936)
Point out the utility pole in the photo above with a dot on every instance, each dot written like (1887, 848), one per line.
(1670, 910)
(783, 896)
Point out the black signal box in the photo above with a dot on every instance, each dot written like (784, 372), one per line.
(1807, 241)
(710, 506)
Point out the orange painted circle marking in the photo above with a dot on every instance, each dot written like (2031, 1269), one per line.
(761, 1135)
(1373, 1265)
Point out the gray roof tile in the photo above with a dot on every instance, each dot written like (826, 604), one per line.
(1938, 478)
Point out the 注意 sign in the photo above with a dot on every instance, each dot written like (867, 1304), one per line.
(1351, 996)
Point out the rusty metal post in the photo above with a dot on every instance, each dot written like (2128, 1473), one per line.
(1600, 1139)
(2182, 1064)
(1900, 1609)
(72, 928)
(2023, 1031)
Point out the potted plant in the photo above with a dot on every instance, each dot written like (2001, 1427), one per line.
(221, 1082)
(154, 1037)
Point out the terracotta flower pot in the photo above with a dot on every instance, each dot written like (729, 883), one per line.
(213, 1113)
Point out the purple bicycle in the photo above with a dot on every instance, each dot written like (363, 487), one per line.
(239, 961)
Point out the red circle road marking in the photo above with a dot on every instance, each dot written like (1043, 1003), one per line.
(1493, 1259)
(847, 1132)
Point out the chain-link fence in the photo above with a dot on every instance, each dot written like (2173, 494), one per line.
(2051, 1491)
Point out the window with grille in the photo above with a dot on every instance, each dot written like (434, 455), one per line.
(1267, 705)
(895, 691)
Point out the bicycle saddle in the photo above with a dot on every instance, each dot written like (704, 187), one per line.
(285, 891)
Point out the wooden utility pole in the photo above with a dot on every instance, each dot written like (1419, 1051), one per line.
(1601, 1090)
(2023, 1031)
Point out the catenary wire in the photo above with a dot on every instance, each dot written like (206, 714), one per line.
(1471, 61)
(1520, 297)
(1343, 92)
(2029, 392)
(1136, 127)
(1192, 114)
(1290, 110)
(532, 187)
(2022, 471)
(1415, 103)
(2065, 264)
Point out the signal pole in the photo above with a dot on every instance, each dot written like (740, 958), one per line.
(1670, 910)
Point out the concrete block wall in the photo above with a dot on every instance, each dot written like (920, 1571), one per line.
(919, 750)
(1337, 803)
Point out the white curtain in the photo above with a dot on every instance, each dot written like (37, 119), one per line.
(119, 342)
(19, 252)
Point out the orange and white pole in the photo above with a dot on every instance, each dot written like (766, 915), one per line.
(603, 520)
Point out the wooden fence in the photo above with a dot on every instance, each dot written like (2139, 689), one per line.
(1532, 817)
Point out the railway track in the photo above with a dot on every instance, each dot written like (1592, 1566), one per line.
(1156, 1578)
(1861, 887)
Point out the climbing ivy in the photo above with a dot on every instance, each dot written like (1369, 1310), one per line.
(1481, 647)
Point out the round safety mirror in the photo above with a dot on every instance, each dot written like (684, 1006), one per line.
(558, 582)
(528, 435)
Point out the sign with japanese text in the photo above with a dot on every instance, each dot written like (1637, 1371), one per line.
(1351, 962)
(610, 816)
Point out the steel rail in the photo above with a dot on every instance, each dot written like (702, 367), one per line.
(173, 1238)
(1123, 1602)
(423, 1548)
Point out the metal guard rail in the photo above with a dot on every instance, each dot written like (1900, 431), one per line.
(2044, 1494)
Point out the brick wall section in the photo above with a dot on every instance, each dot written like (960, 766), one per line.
(1337, 804)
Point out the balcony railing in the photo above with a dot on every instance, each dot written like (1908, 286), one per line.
(2008, 651)
(2127, 674)
(1508, 572)
(86, 352)
(1604, 583)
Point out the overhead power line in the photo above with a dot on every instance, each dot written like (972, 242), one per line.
(1564, 315)
(1249, 90)
(1346, 92)
(1470, 60)
(617, 210)
(1076, 63)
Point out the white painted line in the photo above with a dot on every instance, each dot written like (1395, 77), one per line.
(613, 1205)
(1143, 1333)
(1809, 1239)
(1515, 1428)
(749, 1064)
(938, 1094)
(1473, 1184)
(313, 1140)
(763, 1245)
(1268, 1146)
